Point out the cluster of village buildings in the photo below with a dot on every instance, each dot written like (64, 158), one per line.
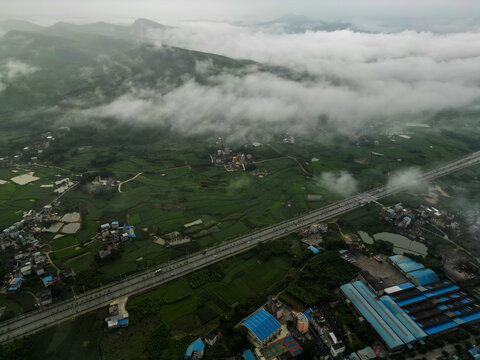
(26, 259)
(114, 236)
(410, 221)
(34, 151)
(231, 161)
(109, 182)
(276, 332)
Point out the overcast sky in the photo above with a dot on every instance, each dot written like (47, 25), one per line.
(46, 11)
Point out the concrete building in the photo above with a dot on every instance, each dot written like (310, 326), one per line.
(26, 268)
(302, 323)
(212, 338)
(275, 307)
(337, 347)
(118, 314)
(45, 297)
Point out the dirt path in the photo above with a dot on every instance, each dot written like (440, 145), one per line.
(37, 300)
(126, 181)
(53, 167)
(77, 257)
(66, 191)
(339, 229)
(300, 165)
(52, 263)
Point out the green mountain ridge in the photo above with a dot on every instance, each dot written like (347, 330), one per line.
(78, 70)
(137, 30)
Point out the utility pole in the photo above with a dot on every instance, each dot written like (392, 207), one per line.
(75, 300)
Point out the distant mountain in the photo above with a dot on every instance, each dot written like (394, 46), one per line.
(75, 67)
(142, 24)
(138, 30)
(97, 28)
(293, 23)
(57, 72)
(292, 19)
(20, 25)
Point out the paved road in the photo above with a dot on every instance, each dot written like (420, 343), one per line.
(144, 281)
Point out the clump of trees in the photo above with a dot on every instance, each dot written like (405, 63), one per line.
(318, 279)
(156, 342)
(202, 277)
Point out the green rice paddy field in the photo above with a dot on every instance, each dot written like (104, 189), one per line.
(181, 307)
(179, 185)
(16, 199)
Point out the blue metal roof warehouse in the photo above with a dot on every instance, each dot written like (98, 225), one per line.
(408, 313)
(368, 312)
(423, 276)
(385, 313)
(404, 318)
(405, 263)
(262, 325)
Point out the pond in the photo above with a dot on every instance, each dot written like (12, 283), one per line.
(401, 244)
(367, 239)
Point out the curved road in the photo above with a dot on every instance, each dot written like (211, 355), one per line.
(147, 280)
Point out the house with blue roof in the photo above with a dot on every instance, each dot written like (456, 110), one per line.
(15, 283)
(313, 249)
(474, 352)
(248, 355)
(195, 350)
(407, 221)
(262, 327)
(47, 280)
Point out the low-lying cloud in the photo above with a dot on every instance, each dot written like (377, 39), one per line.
(340, 183)
(353, 79)
(12, 70)
(407, 179)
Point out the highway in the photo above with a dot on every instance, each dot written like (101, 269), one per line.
(149, 279)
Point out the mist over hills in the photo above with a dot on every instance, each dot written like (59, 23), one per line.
(293, 23)
(220, 78)
(55, 72)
